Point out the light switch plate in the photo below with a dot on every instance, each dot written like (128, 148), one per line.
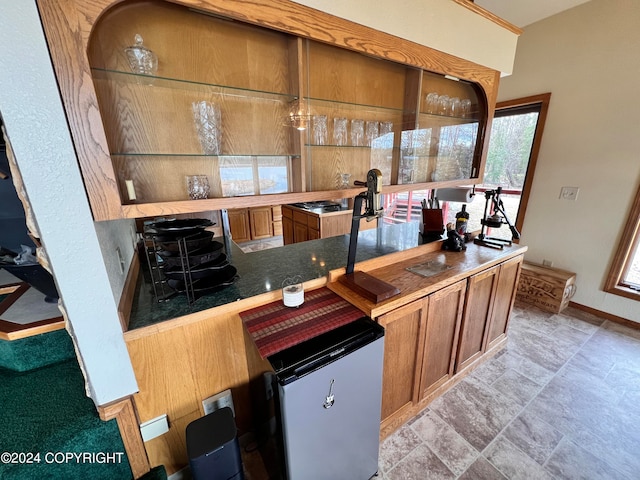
(569, 193)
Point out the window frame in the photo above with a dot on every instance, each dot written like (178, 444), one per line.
(629, 241)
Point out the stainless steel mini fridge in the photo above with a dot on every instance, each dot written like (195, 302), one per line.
(328, 400)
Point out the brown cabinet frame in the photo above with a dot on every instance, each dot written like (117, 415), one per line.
(68, 25)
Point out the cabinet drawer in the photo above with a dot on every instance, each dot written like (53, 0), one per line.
(299, 217)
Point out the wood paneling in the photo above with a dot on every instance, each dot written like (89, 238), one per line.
(176, 369)
(403, 349)
(480, 293)
(441, 337)
(336, 225)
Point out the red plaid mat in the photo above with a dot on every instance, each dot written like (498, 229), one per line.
(275, 327)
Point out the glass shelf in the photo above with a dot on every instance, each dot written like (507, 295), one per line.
(159, 81)
(204, 155)
(323, 103)
(367, 147)
(439, 117)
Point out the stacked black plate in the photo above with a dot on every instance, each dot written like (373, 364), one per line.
(188, 255)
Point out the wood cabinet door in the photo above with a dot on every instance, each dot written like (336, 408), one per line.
(312, 234)
(287, 230)
(504, 298)
(239, 225)
(300, 232)
(441, 336)
(481, 289)
(403, 350)
(261, 223)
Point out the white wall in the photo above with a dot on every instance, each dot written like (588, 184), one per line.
(587, 57)
(37, 128)
(440, 24)
(112, 235)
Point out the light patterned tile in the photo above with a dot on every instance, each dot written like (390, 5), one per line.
(476, 411)
(420, 464)
(533, 436)
(584, 322)
(397, 446)
(444, 441)
(495, 367)
(534, 372)
(513, 462)
(540, 348)
(617, 451)
(516, 386)
(570, 461)
(571, 334)
(481, 469)
(583, 316)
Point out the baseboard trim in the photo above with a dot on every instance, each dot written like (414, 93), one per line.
(609, 316)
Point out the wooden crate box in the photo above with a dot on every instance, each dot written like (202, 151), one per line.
(547, 288)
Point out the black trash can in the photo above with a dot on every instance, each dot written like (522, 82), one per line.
(213, 448)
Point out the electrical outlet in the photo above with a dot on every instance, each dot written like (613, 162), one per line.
(547, 263)
(569, 193)
(154, 427)
(218, 401)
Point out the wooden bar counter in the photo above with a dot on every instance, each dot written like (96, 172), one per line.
(433, 337)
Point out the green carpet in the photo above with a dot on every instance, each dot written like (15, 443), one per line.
(37, 351)
(46, 411)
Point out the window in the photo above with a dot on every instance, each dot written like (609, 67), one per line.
(252, 175)
(516, 135)
(624, 276)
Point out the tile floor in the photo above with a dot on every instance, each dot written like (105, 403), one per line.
(560, 401)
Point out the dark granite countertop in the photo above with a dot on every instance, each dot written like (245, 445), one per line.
(265, 270)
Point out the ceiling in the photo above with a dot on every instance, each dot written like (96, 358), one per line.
(525, 12)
